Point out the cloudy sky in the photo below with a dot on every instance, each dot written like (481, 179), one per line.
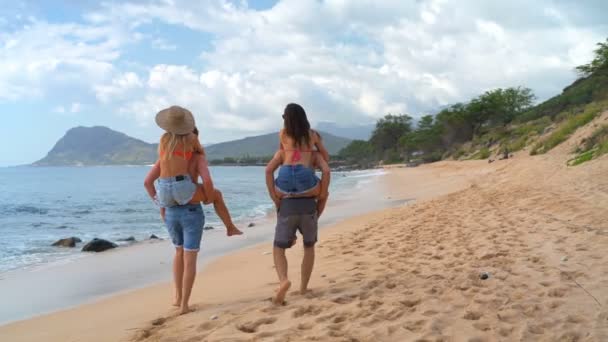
(236, 64)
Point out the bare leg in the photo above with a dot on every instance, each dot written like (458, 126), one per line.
(321, 206)
(178, 274)
(222, 211)
(280, 263)
(188, 280)
(308, 262)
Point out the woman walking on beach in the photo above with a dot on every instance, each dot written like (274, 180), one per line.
(181, 161)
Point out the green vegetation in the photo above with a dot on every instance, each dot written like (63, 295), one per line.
(599, 63)
(264, 145)
(567, 129)
(499, 121)
(592, 147)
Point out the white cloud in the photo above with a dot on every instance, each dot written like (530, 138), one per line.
(118, 88)
(41, 56)
(75, 108)
(347, 61)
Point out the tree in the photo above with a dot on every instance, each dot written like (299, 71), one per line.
(599, 62)
(357, 151)
(498, 107)
(454, 125)
(389, 130)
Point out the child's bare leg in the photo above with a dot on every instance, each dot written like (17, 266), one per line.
(199, 195)
(222, 211)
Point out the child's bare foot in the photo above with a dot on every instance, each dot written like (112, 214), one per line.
(230, 231)
(282, 292)
(178, 302)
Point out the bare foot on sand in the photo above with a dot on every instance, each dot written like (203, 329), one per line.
(177, 303)
(304, 291)
(282, 292)
(230, 231)
(185, 309)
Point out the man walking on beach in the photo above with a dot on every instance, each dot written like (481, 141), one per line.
(295, 214)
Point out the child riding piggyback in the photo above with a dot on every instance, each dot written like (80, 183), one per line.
(301, 150)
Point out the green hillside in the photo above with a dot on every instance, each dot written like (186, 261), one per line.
(264, 146)
(495, 124)
(98, 146)
(85, 146)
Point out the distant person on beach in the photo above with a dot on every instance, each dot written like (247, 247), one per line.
(181, 161)
(300, 209)
(301, 148)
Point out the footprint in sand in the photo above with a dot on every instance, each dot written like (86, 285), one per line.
(345, 299)
(410, 302)
(311, 310)
(252, 327)
(305, 326)
(558, 292)
(536, 329)
(472, 315)
(482, 326)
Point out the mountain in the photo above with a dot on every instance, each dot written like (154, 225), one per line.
(98, 146)
(265, 145)
(86, 146)
(354, 132)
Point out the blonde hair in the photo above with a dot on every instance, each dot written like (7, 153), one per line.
(170, 141)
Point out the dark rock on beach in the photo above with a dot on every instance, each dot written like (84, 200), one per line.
(129, 239)
(67, 242)
(153, 237)
(98, 245)
(251, 225)
(208, 228)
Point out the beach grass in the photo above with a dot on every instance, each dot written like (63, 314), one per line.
(568, 127)
(592, 147)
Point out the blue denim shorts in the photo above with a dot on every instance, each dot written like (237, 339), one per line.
(185, 225)
(296, 179)
(173, 191)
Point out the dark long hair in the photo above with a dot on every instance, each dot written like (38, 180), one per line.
(296, 124)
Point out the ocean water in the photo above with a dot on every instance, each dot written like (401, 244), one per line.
(41, 205)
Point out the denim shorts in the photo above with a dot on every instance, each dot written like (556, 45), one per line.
(185, 225)
(173, 191)
(296, 179)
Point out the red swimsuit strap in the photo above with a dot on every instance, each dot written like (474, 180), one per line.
(187, 155)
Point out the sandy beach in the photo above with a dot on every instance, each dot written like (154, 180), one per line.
(535, 227)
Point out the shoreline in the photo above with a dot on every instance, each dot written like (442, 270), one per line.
(145, 263)
(395, 194)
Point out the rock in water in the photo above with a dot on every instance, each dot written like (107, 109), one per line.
(129, 239)
(208, 228)
(152, 237)
(98, 245)
(251, 225)
(67, 242)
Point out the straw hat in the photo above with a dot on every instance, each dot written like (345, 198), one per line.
(176, 120)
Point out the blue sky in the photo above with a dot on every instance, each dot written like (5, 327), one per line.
(236, 64)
